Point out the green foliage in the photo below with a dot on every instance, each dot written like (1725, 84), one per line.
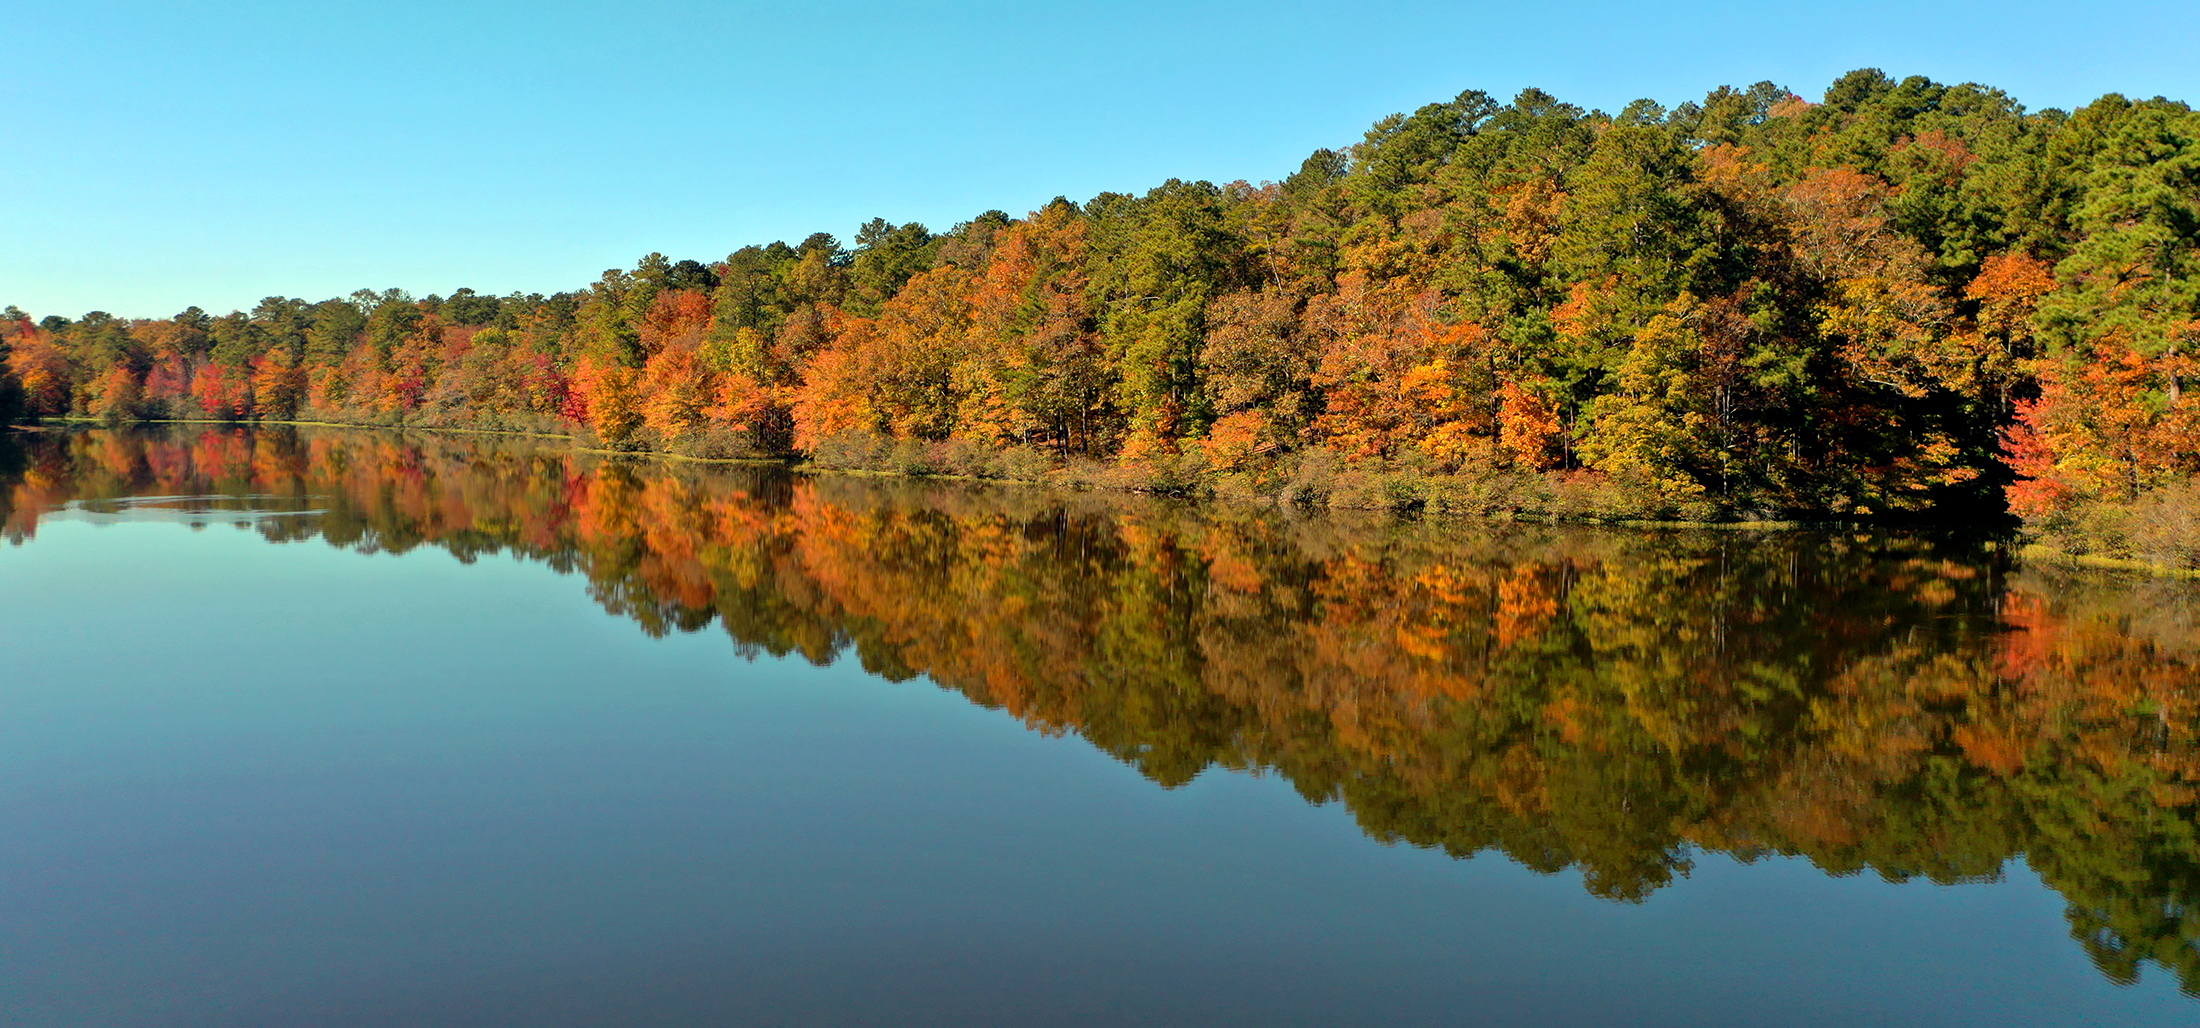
(335, 328)
(1608, 703)
(2135, 270)
(886, 257)
(1159, 259)
(1744, 305)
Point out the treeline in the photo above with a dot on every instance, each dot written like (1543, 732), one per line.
(1611, 702)
(1906, 297)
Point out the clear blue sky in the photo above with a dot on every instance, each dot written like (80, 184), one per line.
(162, 154)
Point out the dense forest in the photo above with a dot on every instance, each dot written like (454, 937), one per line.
(1905, 299)
(1616, 703)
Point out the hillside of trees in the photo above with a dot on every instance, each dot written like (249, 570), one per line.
(1904, 299)
(1613, 703)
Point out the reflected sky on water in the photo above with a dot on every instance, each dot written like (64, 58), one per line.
(1006, 756)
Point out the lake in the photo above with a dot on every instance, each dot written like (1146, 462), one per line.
(350, 728)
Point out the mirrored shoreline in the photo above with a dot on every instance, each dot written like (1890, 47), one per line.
(1612, 701)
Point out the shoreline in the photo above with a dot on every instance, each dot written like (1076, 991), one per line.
(2046, 554)
(2018, 545)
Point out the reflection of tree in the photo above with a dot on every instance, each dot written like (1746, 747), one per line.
(1607, 701)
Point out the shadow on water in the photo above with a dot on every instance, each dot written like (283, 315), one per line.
(1612, 701)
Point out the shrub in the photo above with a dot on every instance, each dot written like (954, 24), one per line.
(1028, 463)
(2164, 526)
(911, 457)
(718, 444)
(1491, 494)
(1311, 478)
(853, 450)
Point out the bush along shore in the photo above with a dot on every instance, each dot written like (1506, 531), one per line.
(1903, 299)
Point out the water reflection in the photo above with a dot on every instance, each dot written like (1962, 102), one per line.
(1607, 700)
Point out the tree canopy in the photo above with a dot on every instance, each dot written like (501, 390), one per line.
(1906, 297)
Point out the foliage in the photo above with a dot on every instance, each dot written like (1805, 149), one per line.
(1612, 703)
(1909, 298)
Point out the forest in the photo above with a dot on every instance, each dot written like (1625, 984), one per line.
(1905, 300)
(1612, 703)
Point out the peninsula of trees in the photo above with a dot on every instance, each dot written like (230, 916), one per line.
(1907, 298)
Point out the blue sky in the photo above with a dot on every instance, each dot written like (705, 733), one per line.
(165, 154)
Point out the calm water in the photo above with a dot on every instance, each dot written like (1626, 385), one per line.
(353, 729)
